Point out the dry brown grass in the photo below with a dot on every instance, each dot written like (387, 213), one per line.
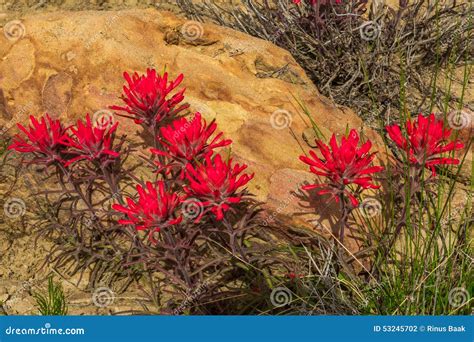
(397, 68)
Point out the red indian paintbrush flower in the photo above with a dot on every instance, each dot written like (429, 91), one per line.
(146, 97)
(44, 138)
(154, 210)
(186, 141)
(94, 143)
(426, 139)
(342, 166)
(216, 184)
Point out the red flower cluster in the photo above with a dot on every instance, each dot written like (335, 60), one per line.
(94, 143)
(216, 183)
(426, 139)
(342, 166)
(186, 141)
(186, 146)
(146, 97)
(51, 142)
(44, 138)
(154, 210)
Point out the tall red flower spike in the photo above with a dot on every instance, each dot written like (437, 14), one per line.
(146, 97)
(94, 143)
(216, 184)
(425, 140)
(154, 210)
(342, 166)
(44, 138)
(186, 141)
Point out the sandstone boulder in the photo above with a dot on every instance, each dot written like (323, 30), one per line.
(71, 63)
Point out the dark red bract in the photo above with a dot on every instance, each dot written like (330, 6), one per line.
(216, 184)
(154, 210)
(146, 97)
(425, 141)
(44, 138)
(187, 141)
(342, 166)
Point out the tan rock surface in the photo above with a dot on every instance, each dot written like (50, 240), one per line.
(71, 63)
